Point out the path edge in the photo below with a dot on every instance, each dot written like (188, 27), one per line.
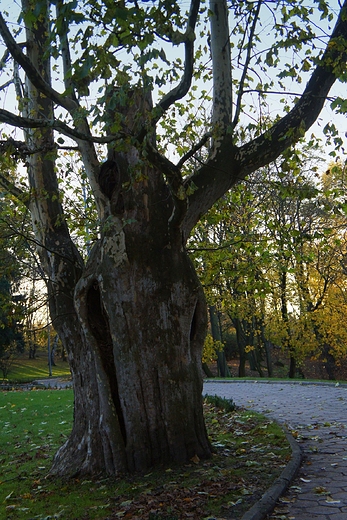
(267, 503)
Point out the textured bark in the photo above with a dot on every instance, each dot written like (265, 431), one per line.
(221, 64)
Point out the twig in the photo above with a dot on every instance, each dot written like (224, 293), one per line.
(194, 149)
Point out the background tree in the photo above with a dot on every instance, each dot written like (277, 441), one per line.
(133, 317)
(225, 245)
(21, 273)
(270, 254)
(11, 300)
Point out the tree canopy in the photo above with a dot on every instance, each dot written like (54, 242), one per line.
(161, 47)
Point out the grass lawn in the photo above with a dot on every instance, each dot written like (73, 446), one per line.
(251, 451)
(24, 370)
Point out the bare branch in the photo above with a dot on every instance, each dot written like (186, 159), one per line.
(245, 68)
(183, 87)
(194, 149)
(25, 122)
(5, 85)
(32, 240)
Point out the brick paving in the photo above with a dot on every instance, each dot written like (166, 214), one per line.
(317, 416)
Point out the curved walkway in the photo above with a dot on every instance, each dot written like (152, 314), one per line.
(317, 416)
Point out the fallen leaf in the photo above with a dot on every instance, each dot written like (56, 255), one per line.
(330, 500)
(126, 503)
(320, 490)
(296, 489)
(195, 459)
(239, 501)
(285, 500)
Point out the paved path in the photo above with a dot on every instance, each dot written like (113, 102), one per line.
(317, 414)
(54, 382)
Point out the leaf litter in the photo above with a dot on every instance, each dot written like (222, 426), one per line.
(242, 467)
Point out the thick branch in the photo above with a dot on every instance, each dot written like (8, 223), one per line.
(18, 150)
(17, 82)
(86, 146)
(174, 179)
(82, 133)
(183, 87)
(33, 75)
(65, 49)
(221, 64)
(232, 164)
(25, 122)
(4, 59)
(288, 130)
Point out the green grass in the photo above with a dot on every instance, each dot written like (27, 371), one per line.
(32, 427)
(24, 370)
(250, 452)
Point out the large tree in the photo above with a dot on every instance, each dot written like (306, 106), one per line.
(133, 317)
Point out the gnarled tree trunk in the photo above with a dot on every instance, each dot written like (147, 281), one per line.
(138, 390)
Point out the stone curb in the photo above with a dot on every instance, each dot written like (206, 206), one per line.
(53, 384)
(267, 503)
